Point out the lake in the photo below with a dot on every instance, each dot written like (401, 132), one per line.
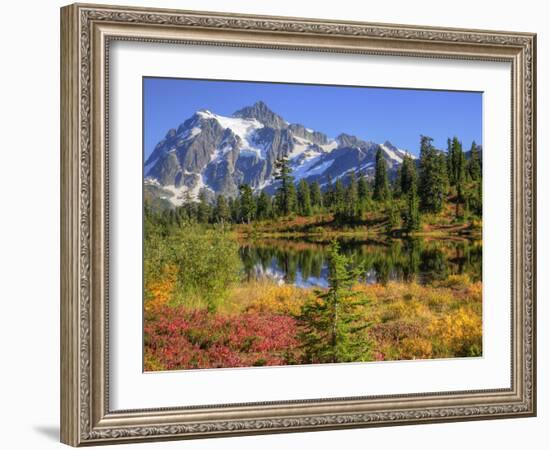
(304, 262)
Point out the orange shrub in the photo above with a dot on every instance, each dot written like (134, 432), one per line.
(158, 292)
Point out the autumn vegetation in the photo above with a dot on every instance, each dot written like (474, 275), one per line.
(204, 309)
(262, 323)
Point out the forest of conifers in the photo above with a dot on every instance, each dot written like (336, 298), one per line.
(423, 187)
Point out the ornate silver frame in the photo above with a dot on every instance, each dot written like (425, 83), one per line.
(86, 31)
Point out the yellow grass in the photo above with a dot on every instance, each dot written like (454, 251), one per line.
(409, 321)
(266, 295)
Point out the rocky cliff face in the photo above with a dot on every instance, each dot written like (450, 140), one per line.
(215, 154)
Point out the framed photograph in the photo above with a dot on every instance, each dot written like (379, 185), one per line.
(279, 224)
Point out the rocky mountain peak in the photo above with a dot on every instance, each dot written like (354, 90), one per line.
(214, 154)
(347, 140)
(261, 112)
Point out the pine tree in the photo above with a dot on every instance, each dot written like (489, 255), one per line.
(247, 204)
(407, 174)
(441, 177)
(411, 217)
(480, 197)
(286, 201)
(235, 208)
(203, 209)
(433, 179)
(263, 206)
(393, 214)
(190, 207)
(381, 186)
(338, 195)
(362, 187)
(304, 199)
(364, 194)
(450, 159)
(458, 175)
(351, 207)
(474, 164)
(222, 212)
(474, 198)
(333, 327)
(316, 196)
(456, 163)
(292, 198)
(328, 195)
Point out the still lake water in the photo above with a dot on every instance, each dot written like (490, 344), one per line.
(304, 262)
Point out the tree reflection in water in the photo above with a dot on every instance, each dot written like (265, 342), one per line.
(304, 262)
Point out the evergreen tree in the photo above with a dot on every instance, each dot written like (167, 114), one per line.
(351, 207)
(407, 174)
(381, 186)
(235, 209)
(479, 198)
(190, 208)
(394, 219)
(433, 180)
(411, 217)
(333, 326)
(304, 199)
(316, 196)
(328, 195)
(362, 187)
(203, 209)
(263, 206)
(339, 197)
(441, 179)
(458, 175)
(450, 160)
(247, 204)
(456, 163)
(292, 199)
(286, 200)
(474, 164)
(473, 197)
(364, 194)
(222, 212)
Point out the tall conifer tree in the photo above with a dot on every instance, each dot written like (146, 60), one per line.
(407, 174)
(286, 194)
(316, 195)
(351, 207)
(339, 197)
(381, 186)
(412, 214)
(433, 179)
(203, 209)
(263, 206)
(474, 164)
(222, 211)
(304, 199)
(247, 204)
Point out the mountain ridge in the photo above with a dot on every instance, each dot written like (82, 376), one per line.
(215, 154)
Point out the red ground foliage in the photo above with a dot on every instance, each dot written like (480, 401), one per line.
(179, 338)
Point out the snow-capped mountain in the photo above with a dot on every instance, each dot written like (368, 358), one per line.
(218, 153)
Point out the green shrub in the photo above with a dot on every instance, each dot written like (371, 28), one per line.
(206, 259)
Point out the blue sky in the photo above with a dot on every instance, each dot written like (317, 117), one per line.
(375, 114)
